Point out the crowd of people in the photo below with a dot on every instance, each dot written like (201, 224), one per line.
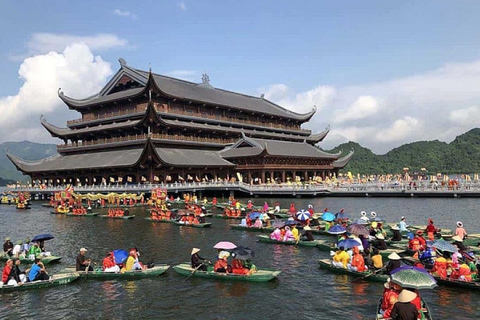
(222, 265)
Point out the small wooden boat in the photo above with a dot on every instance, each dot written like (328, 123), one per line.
(91, 214)
(58, 212)
(368, 276)
(251, 229)
(472, 285)
(427, 315)
(160, 220)
(282, 215)
(55, 280)
(261, 275)
(104, 216)
(266, 239)
(27, 261)
(23, 206)
(193, 225)
(401, 252)
(47, 205)
(222, 216)
(99, 274)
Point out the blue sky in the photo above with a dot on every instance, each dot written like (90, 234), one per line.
(377, 70)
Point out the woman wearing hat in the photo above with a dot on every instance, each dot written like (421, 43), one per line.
(404, 309)
(307, 234)
(397, 236)
(431, 230)
(394, 262)
(458, 241)
(379, 242)
(197, 261)
(221, 265)
(460, 230)
(8, 246)
(389, 298)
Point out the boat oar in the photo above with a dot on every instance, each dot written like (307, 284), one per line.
(368, 275)
(194, 270)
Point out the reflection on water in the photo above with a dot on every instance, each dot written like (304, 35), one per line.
(302, 290)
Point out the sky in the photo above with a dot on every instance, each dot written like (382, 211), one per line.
(381, 73)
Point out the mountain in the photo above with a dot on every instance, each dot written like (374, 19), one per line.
(26, 150)
(462, 155)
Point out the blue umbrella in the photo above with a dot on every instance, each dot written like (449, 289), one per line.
(337, 229)
(328, 216)
(348, 243)
(254, 215)
(120, 255)
(303, 215)
(444, 246)
(291, 222)
(40, 237)
(342, 215)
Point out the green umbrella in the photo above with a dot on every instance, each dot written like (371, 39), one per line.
(413, 277)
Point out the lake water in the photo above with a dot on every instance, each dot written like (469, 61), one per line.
(302, 291)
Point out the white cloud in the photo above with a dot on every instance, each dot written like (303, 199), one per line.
(126, 14)
(45, 42)
(76, 70)
(183, 6)
(189, 75)
(439, 104)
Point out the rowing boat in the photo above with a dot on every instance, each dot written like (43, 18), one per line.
(472, 285)
(160, 220)
(252, 229)
(261, 275)
(427, 315)
(198, 225)
(222, 216)
(91, 214)
(104, 216)
(99, 274)
(368, 275)
(57, 212)
(26, 260)
(266, 239)
(47, 205)
(55, 280)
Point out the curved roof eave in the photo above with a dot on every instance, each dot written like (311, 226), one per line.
(318, 137)
(342, 162)
(54, 130)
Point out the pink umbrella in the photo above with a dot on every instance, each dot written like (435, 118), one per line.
(225, 245)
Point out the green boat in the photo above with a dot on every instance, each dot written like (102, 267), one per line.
(222, 216)
(56, 212)
(27, 261)
(99, 274)
(104, 216)
(47, 205)
(327, 264)
(261, 275)
(266, 239)
(386, 253)
(282, 215)
(200, 225)
(251, 229)
(91, 214)
(472, 285)
(55, 280)
(160, 220)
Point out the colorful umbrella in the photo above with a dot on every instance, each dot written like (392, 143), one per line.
(443, 245)
(413, 277)
(348, 243)
(243, 253)
(342, 215)
(361, 221)
(337, 229)
(328, 216)
(358, 229)
(225, 245)
(42, 237)
(254, 215)
(303, 215)
(120, 255)
(278, 224)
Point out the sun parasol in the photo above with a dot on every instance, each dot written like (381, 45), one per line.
(243, 253)
(254, 215)
(413, 277)
(348, 243)
(225, 245)
(337, 229)
(443, 245)
(303, 215)
(120, 255)
(358, 229)
(278, 224)
(42, 237)
(328, 216)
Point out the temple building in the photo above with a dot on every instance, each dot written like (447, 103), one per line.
(145, 127)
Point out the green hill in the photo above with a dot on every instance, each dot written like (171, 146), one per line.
(462, 155)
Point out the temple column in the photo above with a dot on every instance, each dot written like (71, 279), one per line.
(305, 176)
(283, 176)
(249, 177)
(263, 176)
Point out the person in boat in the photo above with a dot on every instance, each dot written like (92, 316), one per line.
(214, 201)
(389, 298)
(277, 208)
(221, 265)
(414, 244)
(310, 210)
(202, 218)
(296, 235)
(7, 270)
(460, 230)
(421, 239)
(37, 271)
(404, 309)
(357, 262)
(403, 225)
(364, 242)
(17, 249)
(367, 257)
(26, 246)
(276, 234)
(458, 241)
(203, 210)
(266, 219)
(307, 234)
(440, 267)
(34, 251)
(258, 223)
(379, 242)
(341, 258)
(292, 208)
(16, 274)
(8, 247)
(397, 236)
(238, 267)
(431, 230)
(364, 217)
(198, 262)
(109, 264)
(132, 262)
(249, 205)
(82, 263)
(462, 274)
(373, 229)
(394, 263)
(288, 236)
